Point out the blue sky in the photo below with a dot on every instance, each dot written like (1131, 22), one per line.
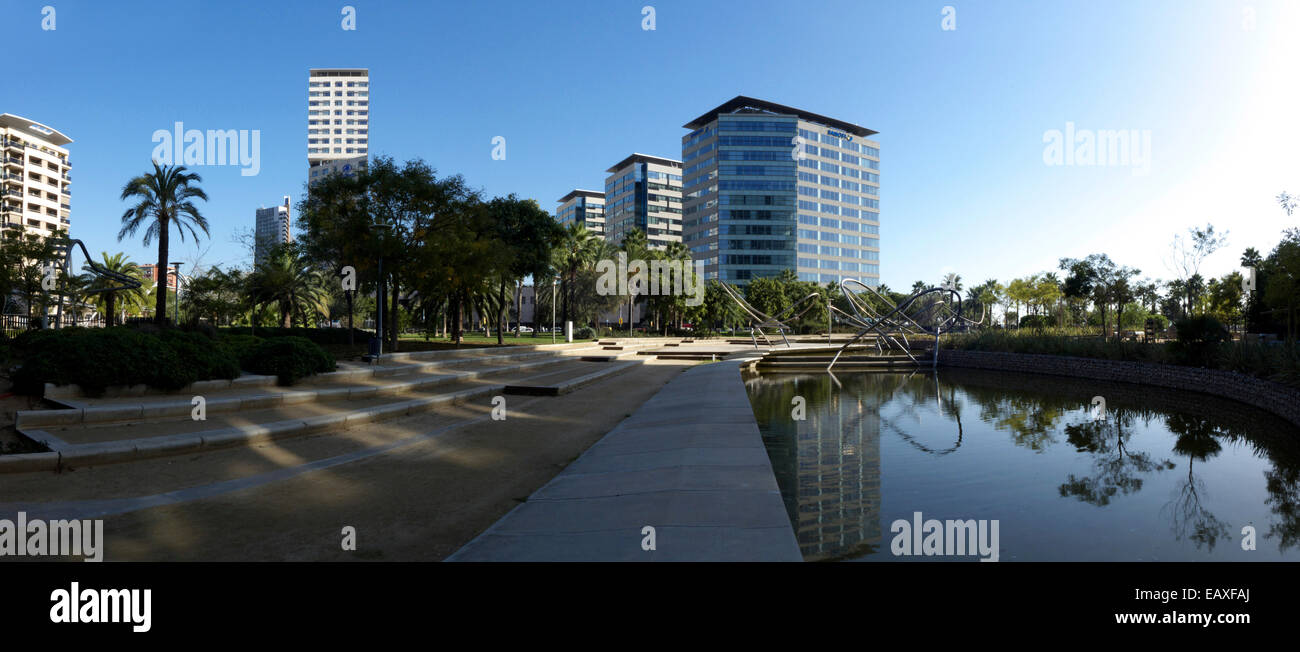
(576, 86)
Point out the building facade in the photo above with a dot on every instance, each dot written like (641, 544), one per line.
(35, 176)
(272, 229)
(644, 192)
(583, 207)
(338, 120)
(150, 271)
(770, 187)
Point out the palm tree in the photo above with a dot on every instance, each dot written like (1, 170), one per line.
(109, 301)
(573, 254)
(952, 280)
(164, 197)
(288, 281)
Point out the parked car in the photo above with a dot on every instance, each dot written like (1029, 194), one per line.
(524, 329)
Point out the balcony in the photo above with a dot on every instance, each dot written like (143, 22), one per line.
(11, 160)
(66, 192)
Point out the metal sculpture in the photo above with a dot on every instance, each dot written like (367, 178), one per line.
(893, 322)
(63, 249)
(760, 320)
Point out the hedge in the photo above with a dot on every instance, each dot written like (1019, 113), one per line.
(317, 335)
(289, 359)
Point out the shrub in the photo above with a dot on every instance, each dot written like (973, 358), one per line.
(1199, 339)
(205, 357)
(585, 333)
(242, 347)
(289, 359)
(96, 358)
(317, 335)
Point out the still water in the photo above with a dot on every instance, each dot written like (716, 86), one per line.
(1167, 476)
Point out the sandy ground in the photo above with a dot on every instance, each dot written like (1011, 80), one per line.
(417, 502)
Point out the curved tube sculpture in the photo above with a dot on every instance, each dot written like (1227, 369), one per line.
(760, 320)
(63, 247)
(937, 315)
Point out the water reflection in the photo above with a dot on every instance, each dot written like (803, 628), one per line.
(1166, 475)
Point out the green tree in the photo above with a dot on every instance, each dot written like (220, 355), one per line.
(109, 302)
(286, 280)
(163, 199)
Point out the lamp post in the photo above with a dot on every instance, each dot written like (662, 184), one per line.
(380, 292)
(176, 309)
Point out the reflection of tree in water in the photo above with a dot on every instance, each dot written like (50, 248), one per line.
(1117, 468)
(1197, 440)
(1284, 500)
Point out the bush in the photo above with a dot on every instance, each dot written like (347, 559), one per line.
(1199, 339)
(317, 335)
(242, 347)
(1035, 322)
(96, 358)
(205, 357)
(585, 333)
(289, 359)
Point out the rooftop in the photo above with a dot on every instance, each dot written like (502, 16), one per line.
(34, 129)
(644, 158)
(742, 104)
(585, 193)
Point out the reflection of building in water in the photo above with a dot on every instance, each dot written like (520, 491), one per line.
(838, 485)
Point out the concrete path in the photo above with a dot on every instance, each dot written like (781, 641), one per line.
(690, 463)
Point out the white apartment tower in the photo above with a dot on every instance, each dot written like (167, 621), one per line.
(338, 121)
(34, 176)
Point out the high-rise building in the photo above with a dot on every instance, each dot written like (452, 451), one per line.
(338, 121)
(35, 176)
(584, 207)
(770, 187)
(272, 229)
(644, 192)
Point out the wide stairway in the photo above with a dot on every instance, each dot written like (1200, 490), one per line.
(253, 409)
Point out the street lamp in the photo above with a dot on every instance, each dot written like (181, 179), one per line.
(176, 310)
(379, 294)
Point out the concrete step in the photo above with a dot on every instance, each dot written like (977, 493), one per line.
(93, 444)
(181, 407)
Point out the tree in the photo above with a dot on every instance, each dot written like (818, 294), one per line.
(164, 198)
(525, 235)
(108, 301)
(1187, 254)
(286, 280)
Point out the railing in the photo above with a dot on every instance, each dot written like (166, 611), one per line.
(19, 323)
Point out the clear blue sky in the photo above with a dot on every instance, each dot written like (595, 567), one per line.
(576, 86)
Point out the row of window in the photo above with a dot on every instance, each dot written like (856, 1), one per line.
(830, 278)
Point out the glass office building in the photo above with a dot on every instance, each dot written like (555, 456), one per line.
(644, 192)
(585, 207)
(769, 187)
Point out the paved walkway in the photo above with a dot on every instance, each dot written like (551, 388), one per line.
(690, 463)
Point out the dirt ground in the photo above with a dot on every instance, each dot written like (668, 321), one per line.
(417, 502)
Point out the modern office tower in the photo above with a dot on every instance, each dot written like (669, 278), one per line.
(338, 120)
(585, 207)
(770, 187)
(272, 230)
(34, 176)
(644, 192)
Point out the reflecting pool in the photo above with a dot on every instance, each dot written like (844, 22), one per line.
(1166, 476)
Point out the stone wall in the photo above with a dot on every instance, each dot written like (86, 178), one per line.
(1279, 399)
